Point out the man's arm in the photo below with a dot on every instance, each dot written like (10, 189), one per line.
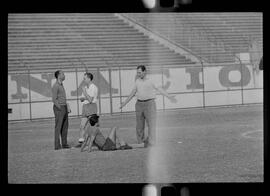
(87, 97)
(132, 94)
(54, 96)
(163, 92)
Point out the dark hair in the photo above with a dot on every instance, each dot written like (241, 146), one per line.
(142, 67)
(89, 75)
(56, 74)
(93, 119)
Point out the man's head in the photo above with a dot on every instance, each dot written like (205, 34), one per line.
(59, 74)
(88, 77)
(94, 120)
(141, 71)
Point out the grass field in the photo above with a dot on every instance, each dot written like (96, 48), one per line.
(195, 145)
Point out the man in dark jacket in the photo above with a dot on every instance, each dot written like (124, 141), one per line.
(61, 110)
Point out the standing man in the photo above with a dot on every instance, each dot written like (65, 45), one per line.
(89, 99)
(145, 106)
(61, 110)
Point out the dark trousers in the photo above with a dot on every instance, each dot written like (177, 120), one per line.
(61, 126)
(146, 112)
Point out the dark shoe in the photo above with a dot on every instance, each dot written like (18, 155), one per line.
(65, 146)
(125, 147)
(79, 145)
(146, 144)
(57, 148)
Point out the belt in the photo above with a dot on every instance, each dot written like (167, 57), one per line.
(144, 100)
(62, 104)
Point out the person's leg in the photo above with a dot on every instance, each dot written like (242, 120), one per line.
(140, 122)
(88, 143)
(122, 144)
(87, 110)
(150, 116)
(85, 142)
(117, 140)
(110, 141)
(64, 130)
(112, 134)
(86, 127)
(84, 121)
(58, 126)
(120, 140)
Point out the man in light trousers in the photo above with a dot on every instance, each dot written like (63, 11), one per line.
(145, 91)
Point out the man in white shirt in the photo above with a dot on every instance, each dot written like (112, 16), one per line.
(145, 91)
(89, 99)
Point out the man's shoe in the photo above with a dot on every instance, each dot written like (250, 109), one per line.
(79, 145)
(146, 144)
(125, 147)
(65, 146)
(57, 148)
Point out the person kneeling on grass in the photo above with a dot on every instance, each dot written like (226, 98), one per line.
(93, 137)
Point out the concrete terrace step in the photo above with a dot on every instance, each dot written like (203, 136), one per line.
(69, 65)
(109, 33)
(90, 47)
(94, 49)
(90, 37)
(117, 60)
(63, 16)
(55, 29)
(124, 56)
(83, 27)
(121, 50)
(51, 58)
(134, 53)
(85, 58)
(36, 52)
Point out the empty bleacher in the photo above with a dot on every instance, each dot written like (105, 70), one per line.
(44, 41)
(217, 37)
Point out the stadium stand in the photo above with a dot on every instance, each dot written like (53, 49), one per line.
(43, 41)
(217, 37)
(40, 41)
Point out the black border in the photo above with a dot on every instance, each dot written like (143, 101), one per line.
(130, 6)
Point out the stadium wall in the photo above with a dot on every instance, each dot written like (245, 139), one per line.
(29, 92)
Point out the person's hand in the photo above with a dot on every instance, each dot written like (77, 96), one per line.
(82, 99)
(121, 105)
(173, 99)
(68, 108)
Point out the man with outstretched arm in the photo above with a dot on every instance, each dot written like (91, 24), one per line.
(145, 91)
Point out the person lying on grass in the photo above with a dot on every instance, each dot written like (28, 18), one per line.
(94, 137)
